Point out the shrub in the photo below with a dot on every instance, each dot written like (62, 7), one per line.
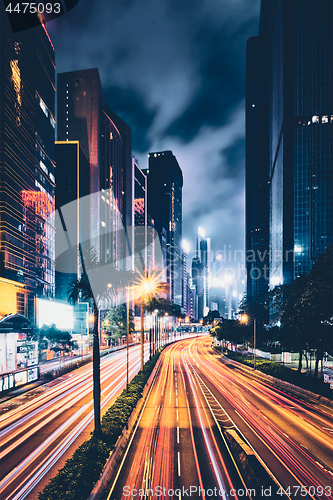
(287, 374)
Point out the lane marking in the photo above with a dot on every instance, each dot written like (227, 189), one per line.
(178, 435)
(177, 415)
(176, 401)
(176, 392)
(178, 464)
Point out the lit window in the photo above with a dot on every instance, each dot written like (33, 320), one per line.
(67, 125)
(111, 136)
(66, 105)
(84, 93)
(52, 121)
(155, 155)
(52, 177)
(315, 119)
(67, 132)
(324, 119)
(103, 223)
(43, 106)
(67, 118)
(103, 198)
(43, 167)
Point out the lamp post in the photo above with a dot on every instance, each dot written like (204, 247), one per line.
(245, 319)
(127, 337)
(146, 287)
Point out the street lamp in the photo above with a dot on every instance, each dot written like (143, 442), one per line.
(245, 319)
(146, 287)
(127, 336)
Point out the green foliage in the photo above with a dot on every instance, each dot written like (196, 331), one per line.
(81, 472)
(233, 331)
(305, 307)
(59, 340)
(115, 322)
(284, 373)
(211, 316)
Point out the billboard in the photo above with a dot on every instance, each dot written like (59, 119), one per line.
(54, 312)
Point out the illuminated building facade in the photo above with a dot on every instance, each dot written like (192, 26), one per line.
(73, 183)
(165, 183)
(143, 223)
(106, 142)
(294, 56)
(198, 280)
(27, 168)
(203, 254)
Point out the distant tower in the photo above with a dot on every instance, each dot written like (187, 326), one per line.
(165, 182)
(203, 254)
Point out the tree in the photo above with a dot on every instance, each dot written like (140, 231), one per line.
(115, 322)
(233, 331)
(211, 316)
(147, 286)
(305, 308)
(61, 341)
(109, 281)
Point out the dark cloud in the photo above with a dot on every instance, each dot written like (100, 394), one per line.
(222, 75)
(174, 71)
(233, 158)
(131, 108)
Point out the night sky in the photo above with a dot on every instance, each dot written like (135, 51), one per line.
(174, 71)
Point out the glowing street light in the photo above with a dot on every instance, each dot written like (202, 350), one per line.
(245, 319)
(145, 288)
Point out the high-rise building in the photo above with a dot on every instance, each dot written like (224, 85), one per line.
(105, 140)
(73, 184)
(299, 77)
(144, 234)
(165, 182)
(27, 168)
(198, 280)
(203, 254)
(257, 170)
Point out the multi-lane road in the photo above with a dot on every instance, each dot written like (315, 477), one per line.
(40, 429)
(212, 429)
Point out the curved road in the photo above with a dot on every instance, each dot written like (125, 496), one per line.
(200, 405)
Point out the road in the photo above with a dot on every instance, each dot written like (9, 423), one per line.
(201, 405)
(41, 428)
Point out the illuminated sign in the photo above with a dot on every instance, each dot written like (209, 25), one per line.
(58, 313)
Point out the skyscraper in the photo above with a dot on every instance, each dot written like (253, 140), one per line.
(257, 170)
(203, 254)
(106, 142)
(293, 58)
(165, 182)
(27, 168)
(73, 183)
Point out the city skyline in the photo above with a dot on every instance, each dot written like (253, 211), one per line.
(195, 107)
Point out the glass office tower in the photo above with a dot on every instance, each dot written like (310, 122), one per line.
(299, 78)
(165, 182)
(27, 168)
